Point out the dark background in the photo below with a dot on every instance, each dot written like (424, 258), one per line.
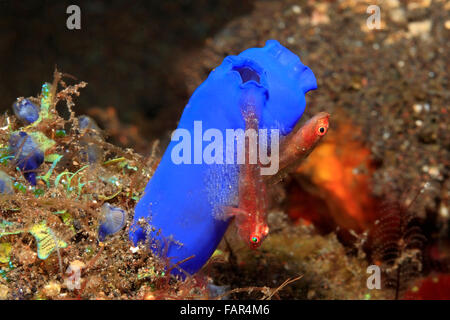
(126, 51)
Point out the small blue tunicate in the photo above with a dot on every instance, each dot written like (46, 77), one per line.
(26, 111)
(90, 152)
(113, 219)
(216, 291)
(6, 184)
(86, 122)
(27, 154)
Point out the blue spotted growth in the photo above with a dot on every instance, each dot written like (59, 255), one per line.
(113, 219)
(27, 154)
(182, 202)
(26, 111)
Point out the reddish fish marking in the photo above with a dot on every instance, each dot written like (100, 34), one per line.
(298, 145)
(251, 213)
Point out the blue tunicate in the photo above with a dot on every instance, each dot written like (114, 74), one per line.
(6, 183)
(216, 291)
(182, 202)
(90, 152)
(27, 154)
(26, 111)
(86, 122)
(113, 219)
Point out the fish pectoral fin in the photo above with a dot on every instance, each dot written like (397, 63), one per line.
(230, 212)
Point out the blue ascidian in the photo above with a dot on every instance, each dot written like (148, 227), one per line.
(6, 184)
(90, 151)
(183, 201)
(26, 111)
(113, 219)
(27, 154)
(86, 122)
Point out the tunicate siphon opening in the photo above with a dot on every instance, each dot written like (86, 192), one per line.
(247, 74)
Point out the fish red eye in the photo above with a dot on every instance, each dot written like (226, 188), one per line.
(254, 240)
(321, 131)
